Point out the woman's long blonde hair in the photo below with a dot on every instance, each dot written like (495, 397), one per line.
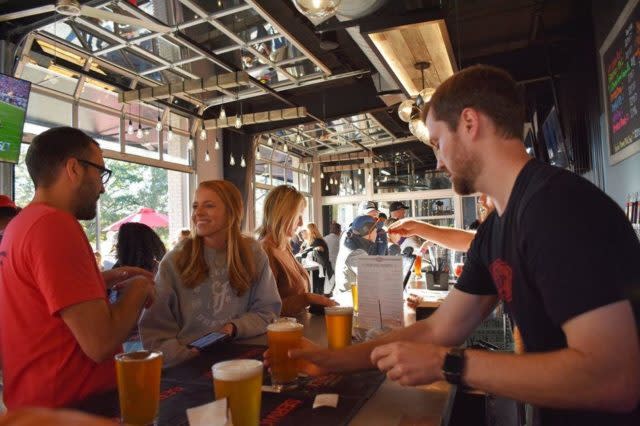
(240, 262)
(312, 232)
(281, 209)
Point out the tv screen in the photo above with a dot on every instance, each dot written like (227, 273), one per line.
(14, 97)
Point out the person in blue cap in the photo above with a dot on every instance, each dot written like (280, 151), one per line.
(357, 241)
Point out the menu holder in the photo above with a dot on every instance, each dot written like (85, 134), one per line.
(380, 303)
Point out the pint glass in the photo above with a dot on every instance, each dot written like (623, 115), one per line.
(339, 320)
(138, 375)
(282, 336)
(354, 296)
(240, 381)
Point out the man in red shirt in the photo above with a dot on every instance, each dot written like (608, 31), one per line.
(58, 332)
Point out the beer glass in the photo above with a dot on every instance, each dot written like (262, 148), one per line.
(282, 336)
(240, 381)
(417, 266)
(138, 375)
(339, 320)
(354, 296)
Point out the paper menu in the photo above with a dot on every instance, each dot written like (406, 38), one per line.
(380, 280)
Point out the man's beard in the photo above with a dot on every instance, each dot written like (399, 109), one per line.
(464, 183)
(87, 203)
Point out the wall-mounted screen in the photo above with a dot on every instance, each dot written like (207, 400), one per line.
(14, 97)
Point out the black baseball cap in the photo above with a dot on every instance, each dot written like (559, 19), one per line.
(397, 205)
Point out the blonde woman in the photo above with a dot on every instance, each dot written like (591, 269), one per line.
(216, 280)
(282, 216)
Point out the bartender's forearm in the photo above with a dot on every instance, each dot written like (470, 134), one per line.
(451, 238)
(358, 357)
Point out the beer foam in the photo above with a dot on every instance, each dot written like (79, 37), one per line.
(338, 310)
(237, 369)
(138, 356)
(284, 326)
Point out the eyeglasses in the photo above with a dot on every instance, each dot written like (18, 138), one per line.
(105, 174)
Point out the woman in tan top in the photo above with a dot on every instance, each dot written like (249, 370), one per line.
(283, 209)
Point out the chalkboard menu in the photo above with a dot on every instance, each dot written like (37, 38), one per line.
(620, 62)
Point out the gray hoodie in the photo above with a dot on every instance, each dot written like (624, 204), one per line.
(180, 315)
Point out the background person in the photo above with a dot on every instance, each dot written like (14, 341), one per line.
(356, 242)
(137, 245)
(59, 333)
(397, 210)
(333, 242)
(317, 250)
(218, 280)
(282, 216)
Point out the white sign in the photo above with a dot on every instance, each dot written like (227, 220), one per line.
(380, 291)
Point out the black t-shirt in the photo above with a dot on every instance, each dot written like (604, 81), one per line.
(561, 248)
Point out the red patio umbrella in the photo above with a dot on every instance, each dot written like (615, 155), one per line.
(145, 215)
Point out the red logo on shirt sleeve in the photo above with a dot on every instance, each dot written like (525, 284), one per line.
(503, 278)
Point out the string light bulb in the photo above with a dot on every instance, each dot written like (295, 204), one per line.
(203, 132)
(130, 128)
(359, 172)
(321, 175)
(313, 180)
(270, 141)
(242, 162)
(206, 155)
(232, 161)
(258, 154)
(223, 114)
(190, 144)
(170, 133)
(217, 145)
(377, 183)
(238, 122)
(159, 123)
(326, 187)
(139, 133)
(285, 148)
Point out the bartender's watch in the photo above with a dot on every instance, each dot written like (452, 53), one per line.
(453, 366)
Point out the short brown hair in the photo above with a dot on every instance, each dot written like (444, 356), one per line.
(488, 89)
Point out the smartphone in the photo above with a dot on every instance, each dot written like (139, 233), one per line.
(209, 340)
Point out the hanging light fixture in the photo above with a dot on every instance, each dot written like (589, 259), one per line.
(139, 133)
(350, 181)
(232, 161)
(242, 162)
(370, 178)
(326, 187)
(285, 148)
(313, 180)
(317, 8)
(223, 114)
(170, 133)
(270, 141)
(258, 154)
(206, 155)
(190, 143)
(159, 122)
(216, 146)
(203, 132)
(130, 127)
(377, 183)
(298, 138)
(359, 172)
(321, 175)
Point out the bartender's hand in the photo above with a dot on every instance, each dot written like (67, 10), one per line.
(404, 227)
(409, 363)
(114, 278)
(312, 359)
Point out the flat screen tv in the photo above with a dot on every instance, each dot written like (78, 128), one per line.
(14, 97)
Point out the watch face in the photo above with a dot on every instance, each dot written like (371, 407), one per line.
(454, 365)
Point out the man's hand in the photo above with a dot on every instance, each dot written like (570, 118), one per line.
(410, 364)
(114, 278)
(404, 227)
(143, 281)
(318, 299)
(312, 359)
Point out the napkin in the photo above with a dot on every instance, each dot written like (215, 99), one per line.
(211, 414)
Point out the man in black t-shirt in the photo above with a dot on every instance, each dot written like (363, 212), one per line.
(557, 251)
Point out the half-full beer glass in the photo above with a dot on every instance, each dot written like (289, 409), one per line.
(240, 381)
(339, 320)
(354, 297)
(138, 375)
(282, 336)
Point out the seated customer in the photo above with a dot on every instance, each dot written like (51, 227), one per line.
(356, 242)
(283, 209)
(217, 280)
(137, 245)
(59, 333)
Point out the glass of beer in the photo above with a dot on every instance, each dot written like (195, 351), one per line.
(138, 375)
(240, 381)
(283, 335)
(417, 266)
(339, 320)
(354, 296)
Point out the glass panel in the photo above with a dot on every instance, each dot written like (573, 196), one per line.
(91, 40)
(306, 214)
(55, 78)
(97, 92)
(179, 122)
(176, 150)
(260, 196)
(339, 213)
(262, 172)
(147, 146)
(105, 128)
(247, 24)
(64, 31)
(304, 182)
(279, 157)
(278, 175)
(469, 210)
(123, 30)
(136, 62)
(166, 50)
(434, 207)
(46, 111)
